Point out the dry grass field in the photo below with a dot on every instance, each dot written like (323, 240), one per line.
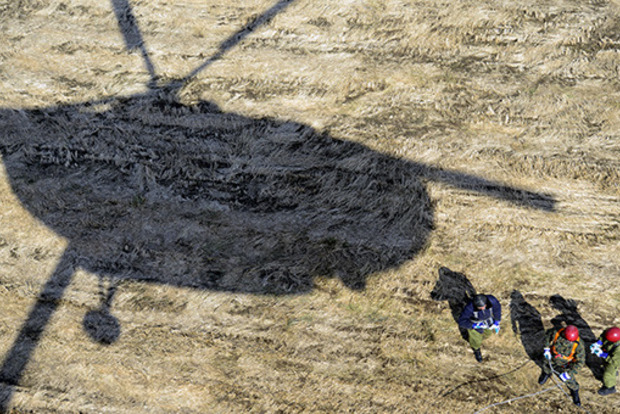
(222, 207)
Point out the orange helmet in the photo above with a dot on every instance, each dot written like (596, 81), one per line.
(571, 333)
(613, 334)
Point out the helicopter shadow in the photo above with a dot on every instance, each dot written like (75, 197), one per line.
(151, 189)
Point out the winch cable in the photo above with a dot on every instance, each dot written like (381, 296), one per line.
(557, 385)
(445, 394)
(515, 399)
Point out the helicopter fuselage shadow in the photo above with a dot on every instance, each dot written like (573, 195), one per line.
(154, 190)
(148, 189)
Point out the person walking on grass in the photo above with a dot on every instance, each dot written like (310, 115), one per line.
(565, 355)
(608, 347)
(480, 317)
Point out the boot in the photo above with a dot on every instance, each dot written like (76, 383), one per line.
(478, 355)
(606, 391)
(543, 378)
(575, 395)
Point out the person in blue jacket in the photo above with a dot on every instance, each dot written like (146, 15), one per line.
(481, 317)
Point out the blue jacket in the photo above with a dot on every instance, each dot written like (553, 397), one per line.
(492, 313)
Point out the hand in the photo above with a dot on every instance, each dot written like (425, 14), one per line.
(595, 348)
(597, 352)
(547, 353)
(496, 327)
(565, 376)
(478, 325)
(600, 353)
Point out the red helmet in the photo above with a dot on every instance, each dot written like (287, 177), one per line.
(613, 334)
(571, 333)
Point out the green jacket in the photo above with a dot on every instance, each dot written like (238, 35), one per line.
(563, 347)
(612, 362)
(613, 349)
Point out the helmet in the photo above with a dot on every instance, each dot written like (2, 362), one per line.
(613, 334)
(571, 333)
(480, 301)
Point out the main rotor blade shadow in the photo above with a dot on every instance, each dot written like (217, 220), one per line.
(30, 333)
(134, 41)
(131, 34)
(238, 36)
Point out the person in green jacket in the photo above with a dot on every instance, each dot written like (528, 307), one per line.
(608, 348)
(565, 355)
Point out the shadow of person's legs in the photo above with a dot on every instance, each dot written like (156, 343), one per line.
(455, 288)
(526, 322)
(569, 315)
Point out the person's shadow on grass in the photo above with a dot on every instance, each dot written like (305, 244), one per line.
(457, 290)
(526, 323)
(569, 315)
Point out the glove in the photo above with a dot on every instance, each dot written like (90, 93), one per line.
(599, 353)
(547, 354)
(496, 327)
(478, 325)
(565, 376)
(595, 348)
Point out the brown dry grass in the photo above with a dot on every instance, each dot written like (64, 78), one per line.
(525, 93)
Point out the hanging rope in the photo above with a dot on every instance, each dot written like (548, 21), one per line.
(515, 399)
(562, 388)
(445, 394)
(557, 385)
